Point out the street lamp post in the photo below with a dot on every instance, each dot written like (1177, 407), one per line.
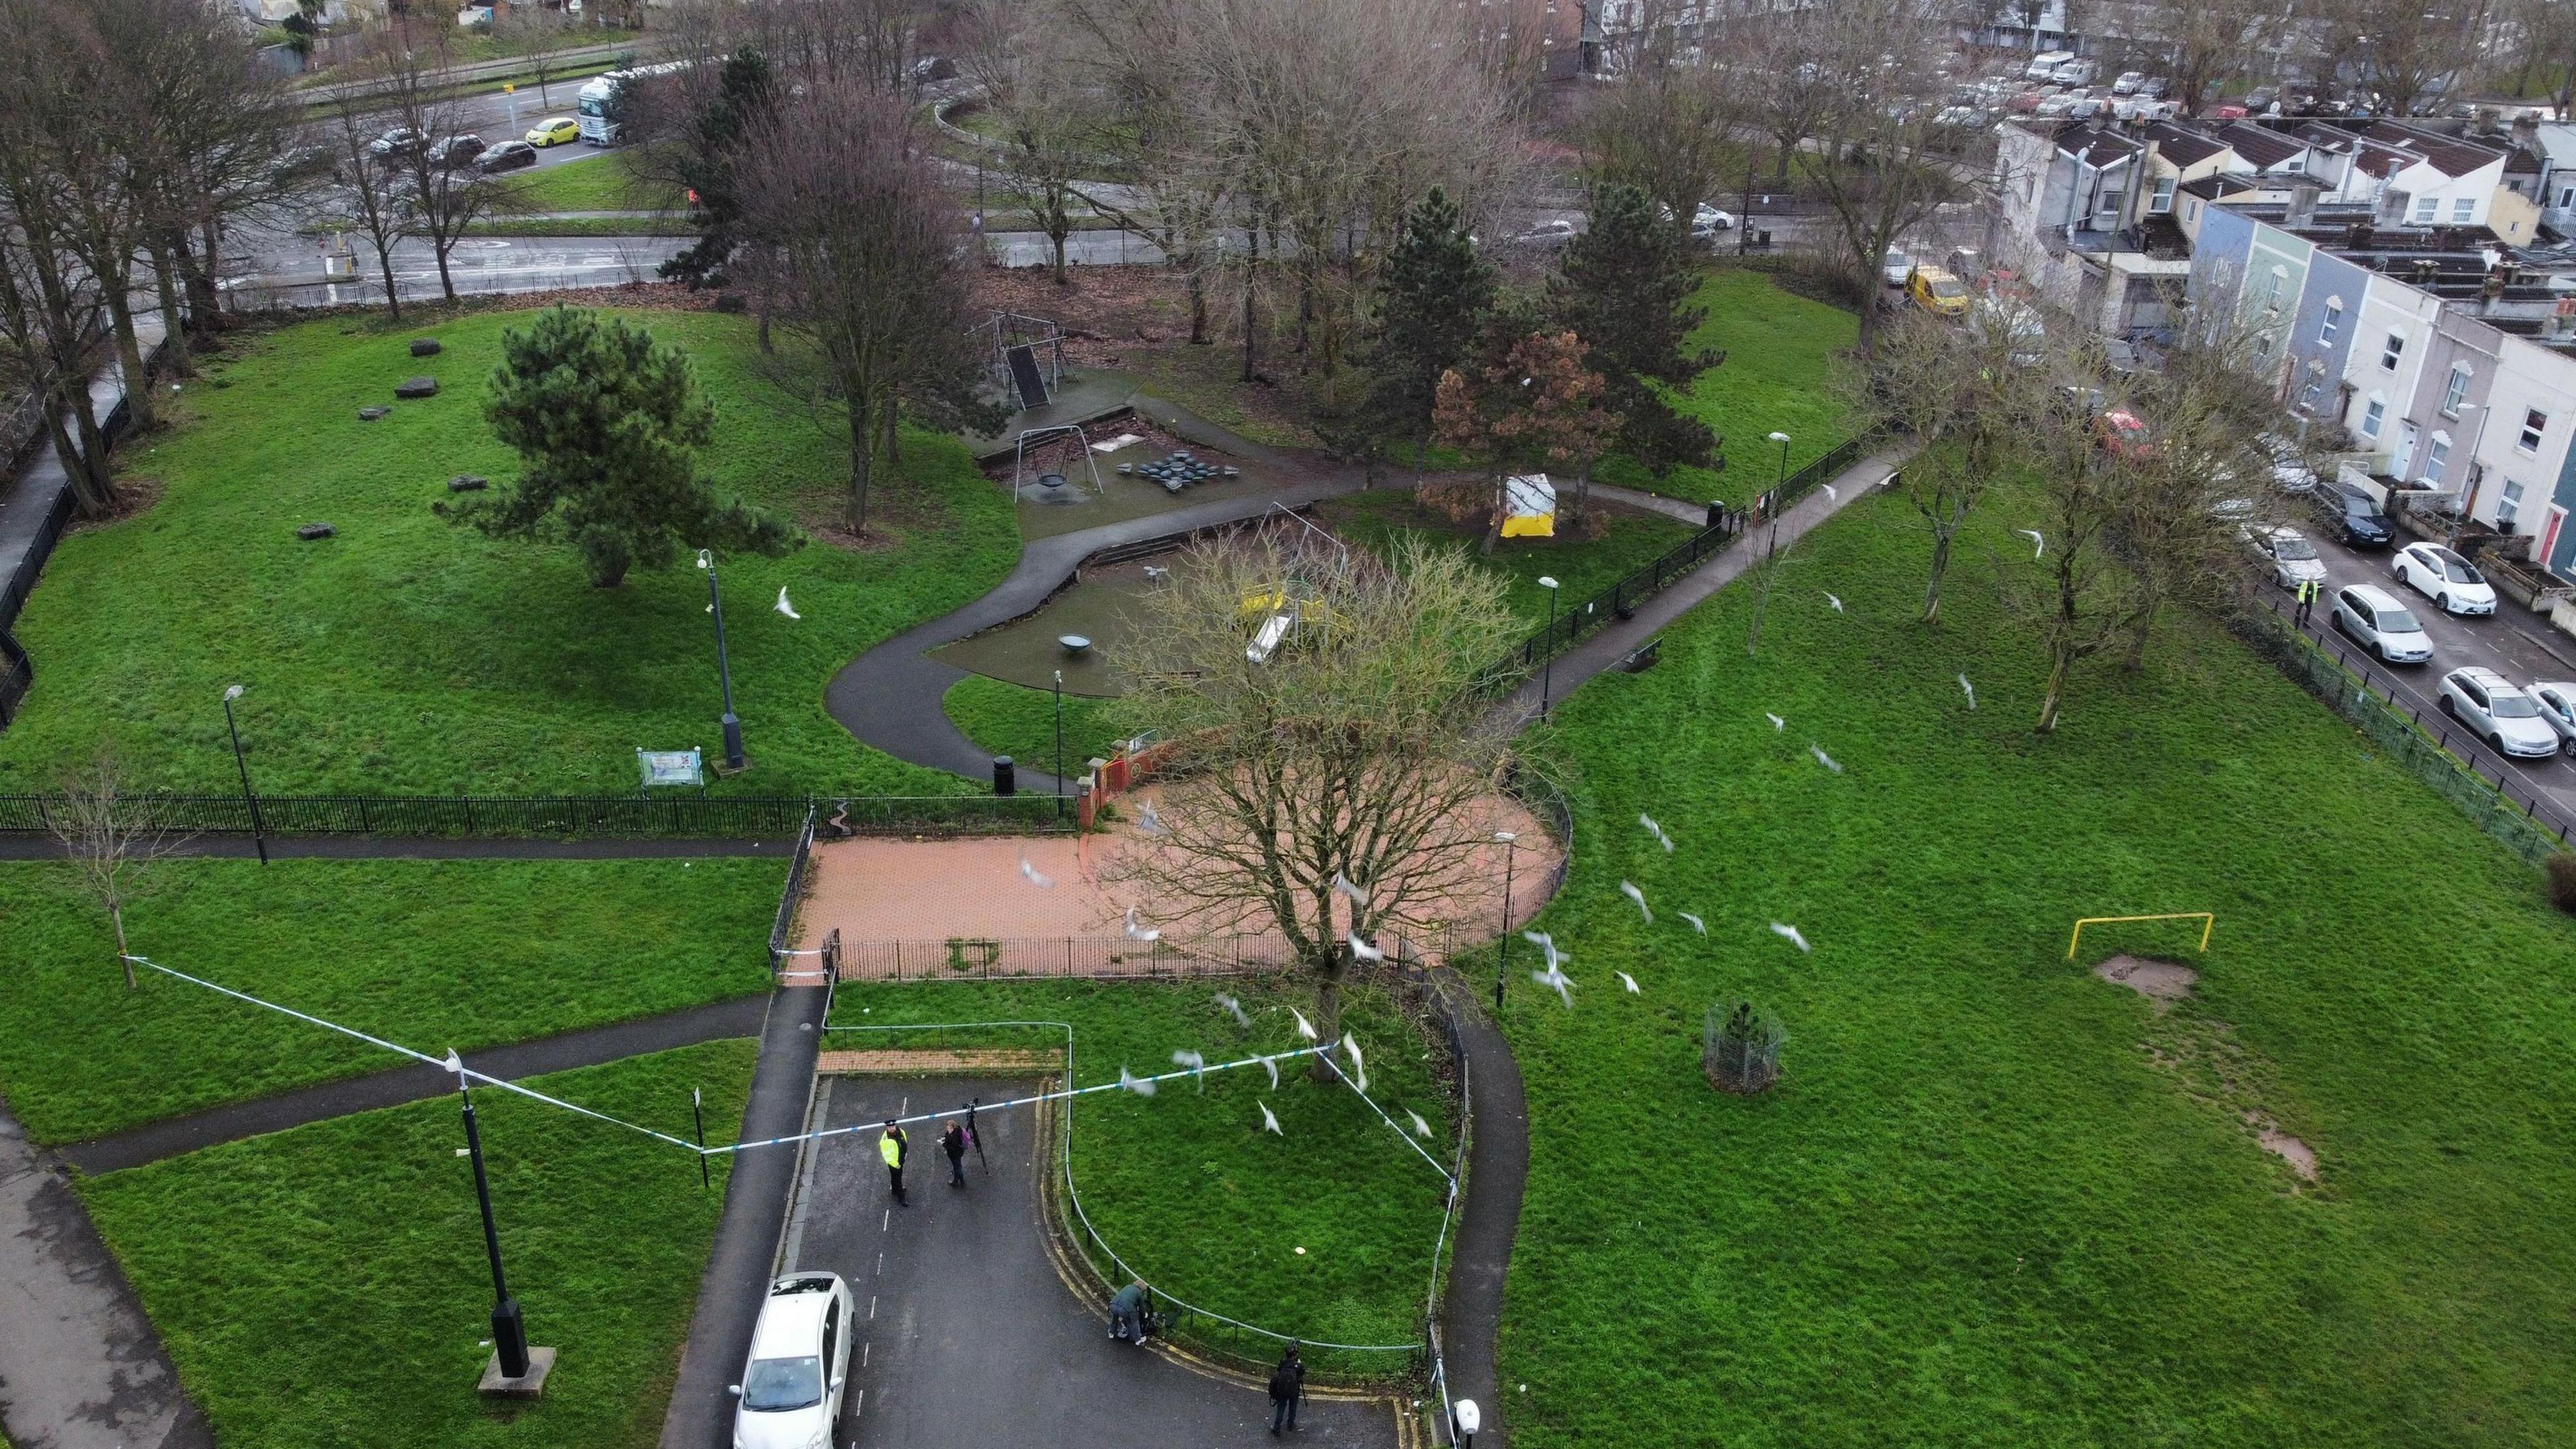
(733, 761)
(1503, 954)
(1059, 744)
(509, 1328)
(1782, 481)
(258, 835)
(1547, 669)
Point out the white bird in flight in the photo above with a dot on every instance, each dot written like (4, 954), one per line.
(1233, 1007)
(1273, 1064)
(2039, 542)
(1777, 723)
(1657, 831)
(1790, 934)
(1629, 889)
(1305, 1028)
(1971, 689)
(1544, 942)
(1139, 933)
(1136, 1084)
(785, 607)
(1831, 492)
(1830, 599)
(1195, 1062)
(1030, 873)
(1824, 759)
(1628, 981)
(1696, 923)
(1552, 976)
(1148, 821)
(1270, 1119)
(1363, 951)
(1421, 1128)
(1342, 886)
(1359, 1064)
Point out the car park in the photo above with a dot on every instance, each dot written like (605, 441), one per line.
(2453, 583)
(2505, 717)
(508, 156)
(790, 1394)
(2353, 517)
(2292, 558)
(2373, 618)
(554, 131)
(2557, 701)
(454, 151)
(1936, 291)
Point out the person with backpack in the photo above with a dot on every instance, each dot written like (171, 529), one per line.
(953, 1142)
(1287, 1386)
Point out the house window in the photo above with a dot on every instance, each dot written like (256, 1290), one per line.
(2106, 215)
(2372, 417)
(2388, 355)
(2160, 202)
(2463, 209)
(2272, 289)
(2424, 206)
(2534, 423)
(2437, 457)
(2456, 391)
(2190, 210)
(2508, 507)
(2296, 165)
(2566, 197)
(2309, 396)
(2332, 325)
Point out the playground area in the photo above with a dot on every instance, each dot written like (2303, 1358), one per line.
(1098, 608)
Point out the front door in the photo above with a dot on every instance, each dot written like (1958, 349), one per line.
(2404, 459)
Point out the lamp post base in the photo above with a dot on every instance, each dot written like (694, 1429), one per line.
(495, 1384)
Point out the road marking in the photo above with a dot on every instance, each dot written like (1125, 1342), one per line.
(872, 1308)
(880, 1262)
(862, 1406)
(887, 1222)
(864, 1345)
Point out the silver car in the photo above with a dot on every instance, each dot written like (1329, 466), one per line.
(2505, 717)
(2557, 701)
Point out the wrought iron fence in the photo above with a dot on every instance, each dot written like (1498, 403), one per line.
(565, 816)
(1002, 958)
(782, 930)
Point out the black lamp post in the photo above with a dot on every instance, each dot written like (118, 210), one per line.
(258, 835)
(1547, 669)
(1503, 954)
(724, 668)
(509, 1328)
(1783, 480)
(1059, 744)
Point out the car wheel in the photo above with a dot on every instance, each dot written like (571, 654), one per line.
(2496, 743)
(2449, 708)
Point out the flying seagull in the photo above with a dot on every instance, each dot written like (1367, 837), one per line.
(2039, 542)
(785, 607)
(1558, 979)
(1342, 886)
(1234, 1008)
(1270, 1119)
(1363, 951)
(1824, 759)
(1544, 942)
(1029, 873)
(1305, 1028)
(1628, 981)
(1790, 934)
(1629, 890)
(1136, 1084)
(1148, 821)
(1359, 1064)
(1696, 923)
(1195, 1063)
(1777, 723)
(1657, 831)
(1831, 492)
(1273, 1064)
(1830, 599)
(1139, 933)
(1421, 1128)
(1153, 572)
(1971, 689)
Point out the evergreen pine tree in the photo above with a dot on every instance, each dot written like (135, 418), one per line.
(707, 147)
(1436, 293)
(1625, 288)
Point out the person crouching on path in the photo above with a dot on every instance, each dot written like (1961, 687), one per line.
(953, 1142)
(892, 1147)
(1287, 1386)
(1127, 1314)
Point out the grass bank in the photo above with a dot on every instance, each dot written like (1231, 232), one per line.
(407, 655)
(431, 954)
(1994, 1199)
(607, 181)
(1622, 543)
(326, 1286)
(1015, 720)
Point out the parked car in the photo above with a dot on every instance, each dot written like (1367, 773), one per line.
(2289, 466)
(2155, 88)
(2128, 83)
(396, 144)
(2054, 107)
(800, 1358)
(2453, 583)
(1936, 291)
(2024, 103)
(2557, 701)
(2230, 113)
(2505, 717)
(2293, 559)
(554, 131)
(1707, 221)
(2123, 434)
(2045, 64)
(2075, 73)
(2353, 517)
(508, 156)
(1895, 267)
(1548, 233)
(2085, 108)
(2371, 617)
(454, 151)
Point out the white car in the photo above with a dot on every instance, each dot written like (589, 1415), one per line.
(1548, 233)
(2450, 581)
(2374, 619)
(2557, 701)
(2075, 73)
(2293, 559)
(800, 1359)
(2128, 83)
(1895, 267)
(2505, 717)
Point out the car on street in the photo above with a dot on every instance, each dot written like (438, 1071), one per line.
(2128, 83)
(1554, 233)
(2045, 64)
(2293, 559)
(800, 1358)
(1936, 291)
(2353, 517)
(508, 156)
(2155, 88)
(2075, 73)
(454, 151)
(2557, 701)
(1895, 267)
(2371, 617)
(2453, 583)
(396, 144)
(554, 131)
(1999, 317)
(2290, 471)
(2505, 717)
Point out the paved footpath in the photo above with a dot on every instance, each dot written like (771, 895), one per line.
(967, 1336)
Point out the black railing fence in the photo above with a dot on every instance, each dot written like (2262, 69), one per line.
(733, 817)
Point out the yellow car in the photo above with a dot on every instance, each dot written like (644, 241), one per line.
(557, 131)
(1937, 292)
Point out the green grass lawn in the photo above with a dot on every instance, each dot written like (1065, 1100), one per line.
(606, 181)
(409, 655)
(326, 1286)
(1189, 1189)
(656, 225)
(1777, 378)
(431, 954)
(1015, 720)
(1976, 1211)
(1582, 567)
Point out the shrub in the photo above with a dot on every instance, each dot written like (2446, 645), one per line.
(1740, 1050)
(2561, 871)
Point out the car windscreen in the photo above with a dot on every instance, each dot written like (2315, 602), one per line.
(1945, 288)
(2459, 572)
(2398, 621)
(776, 1384)
(2293, 548)
(2513, 706)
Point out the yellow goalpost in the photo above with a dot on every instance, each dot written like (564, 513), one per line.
(2209, 922)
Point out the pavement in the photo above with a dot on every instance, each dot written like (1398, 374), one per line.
(2513, 641)
(30, 493)
(427, 847)
(286, 270)
(1497, 1174)
(966, 1333)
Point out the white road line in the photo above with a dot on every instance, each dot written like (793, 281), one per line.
(880, 1262)
(872, 1308)
(864, 1345)
(887, 1222)
(862, 1406)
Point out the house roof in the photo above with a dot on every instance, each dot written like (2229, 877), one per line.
(2383, 161)
(2447, 154)
(2213, 188)
(2181, 145)
(2320, 138)
(2520, 161)
(2261, 149)
(2556, 142)
(2098, 146)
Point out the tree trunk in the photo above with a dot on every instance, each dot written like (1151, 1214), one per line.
(393, 294)
(893, 451)
(204, 301)
(1056, 236)
(2061, 664)
(1940, 567)
(1251, 269)
(1494, 520)
(447, 284)
(116, 918)
(129, 355)
(1198, 308)
(174, 328)
(1328, 1012)
(1869, 312)
(862, 466)
(1583, 488)
(2134, 659)
(93, 482)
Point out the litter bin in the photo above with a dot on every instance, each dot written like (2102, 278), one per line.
(1006, 779)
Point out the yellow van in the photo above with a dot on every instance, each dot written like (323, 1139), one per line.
(1937, 292)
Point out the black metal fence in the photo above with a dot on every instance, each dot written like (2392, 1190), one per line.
(782, 930)
(729, 817)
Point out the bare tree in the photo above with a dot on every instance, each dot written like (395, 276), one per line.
(109, 834)
(2406, 50)
(1348, 750)
(1669, 129)
(2209, 40)
(545, 29)
(1041, 112)
(441, 194)
(373, 188)
(2072, 594)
